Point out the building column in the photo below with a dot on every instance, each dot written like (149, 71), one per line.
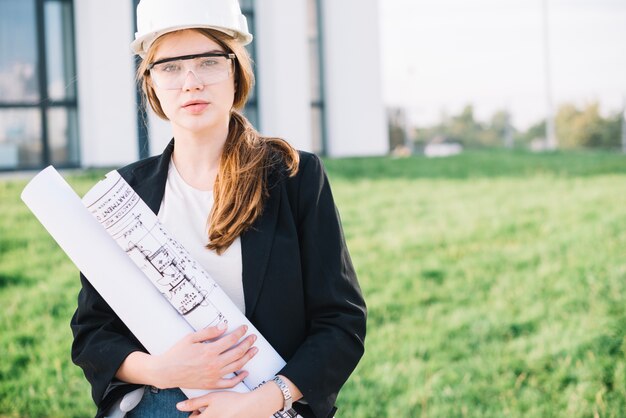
(106, 86)
(283, 70)
(355, 115)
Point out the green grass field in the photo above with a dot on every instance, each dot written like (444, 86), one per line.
(495, 281)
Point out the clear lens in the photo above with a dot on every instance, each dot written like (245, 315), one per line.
(171, 75)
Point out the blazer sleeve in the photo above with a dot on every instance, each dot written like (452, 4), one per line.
(335, 308)
(101, 343)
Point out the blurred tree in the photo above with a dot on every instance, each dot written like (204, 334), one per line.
(576, 128)
(465, 129)
(535, 132)
(396, 124)
(500, 131)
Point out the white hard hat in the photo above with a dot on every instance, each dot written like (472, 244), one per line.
(158, 17)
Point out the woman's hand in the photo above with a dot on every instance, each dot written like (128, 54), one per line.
(223, 405)
(235, 405)
(202, 359)
(261, 402)
(199, 361)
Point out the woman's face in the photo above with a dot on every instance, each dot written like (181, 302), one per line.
(194, 108)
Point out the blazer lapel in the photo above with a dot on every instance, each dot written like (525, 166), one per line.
(256, 245)
(149, 179)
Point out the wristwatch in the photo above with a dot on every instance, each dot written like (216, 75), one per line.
(286, 393)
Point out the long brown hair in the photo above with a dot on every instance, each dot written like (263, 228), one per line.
(241, 185)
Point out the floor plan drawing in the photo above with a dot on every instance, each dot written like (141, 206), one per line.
(165, 262)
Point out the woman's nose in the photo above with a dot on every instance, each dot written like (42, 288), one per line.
(192, 82)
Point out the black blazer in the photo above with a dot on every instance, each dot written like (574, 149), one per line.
(300, 290)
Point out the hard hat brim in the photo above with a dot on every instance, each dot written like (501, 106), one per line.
(141, 44)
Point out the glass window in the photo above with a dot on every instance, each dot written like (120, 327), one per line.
(63, 136)
(59, 50)
(20, 138)
(38, 117)
(18, 52)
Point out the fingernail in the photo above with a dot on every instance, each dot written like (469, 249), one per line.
(255, 350)
(180, 405)
(253, 338)
(245, 328)
(221, 326)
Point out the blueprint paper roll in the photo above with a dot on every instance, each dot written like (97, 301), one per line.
(181, 280)
(118, 280)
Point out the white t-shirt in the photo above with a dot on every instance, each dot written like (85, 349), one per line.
(185, 212)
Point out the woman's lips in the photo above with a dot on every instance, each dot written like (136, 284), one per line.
(196, 106)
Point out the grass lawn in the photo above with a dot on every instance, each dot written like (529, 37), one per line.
(495, 281)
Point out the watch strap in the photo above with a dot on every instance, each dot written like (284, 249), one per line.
(287, 399)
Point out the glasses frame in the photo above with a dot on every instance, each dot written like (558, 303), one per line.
(227, 55)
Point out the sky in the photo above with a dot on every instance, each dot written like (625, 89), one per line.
(439, 55)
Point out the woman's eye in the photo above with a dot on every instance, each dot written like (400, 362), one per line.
(209, 62)
(170, 68)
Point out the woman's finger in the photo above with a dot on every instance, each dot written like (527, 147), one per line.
(231, 382)
(208, 333)
(239, 364)
(227, 341)
(194, 404)
(238, 351)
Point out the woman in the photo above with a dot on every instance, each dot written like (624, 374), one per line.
(258, 215)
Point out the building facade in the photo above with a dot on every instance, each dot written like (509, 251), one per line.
(68, 95)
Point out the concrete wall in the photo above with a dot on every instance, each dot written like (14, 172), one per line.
(106, 92)
(283, 70)
(159, 132)
(353, 100)
(355, 115)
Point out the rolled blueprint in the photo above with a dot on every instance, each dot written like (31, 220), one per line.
(117, 268)
(171, 269)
